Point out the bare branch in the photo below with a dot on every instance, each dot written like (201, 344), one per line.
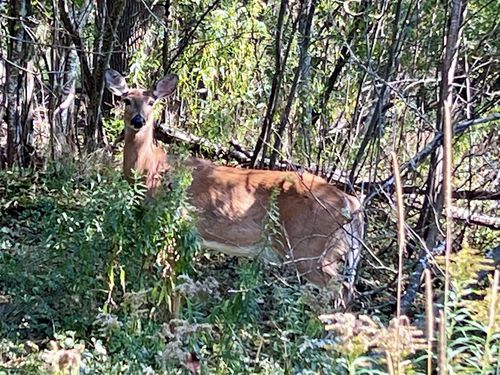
(415, 161)
(78, 42)
(470, 195)
(463, 214)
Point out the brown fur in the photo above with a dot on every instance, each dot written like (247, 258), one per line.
(319, 223)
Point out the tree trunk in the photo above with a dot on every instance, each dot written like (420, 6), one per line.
(110, 16)
(376, 124)
(302, 72)
(434, 203)
(18, 117)
(259, 149)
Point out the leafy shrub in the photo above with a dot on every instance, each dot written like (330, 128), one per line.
(91, 272)
(86, 235)
(363, 345)
(91, 264)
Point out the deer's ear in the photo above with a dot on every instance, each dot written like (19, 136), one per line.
(115, 82)
(166, 86)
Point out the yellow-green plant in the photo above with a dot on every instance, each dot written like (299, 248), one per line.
(360, 342)
(473, 322)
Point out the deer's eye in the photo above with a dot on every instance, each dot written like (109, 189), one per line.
(127, 101)
(151, 102)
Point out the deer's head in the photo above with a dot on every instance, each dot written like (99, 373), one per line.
(138, 102)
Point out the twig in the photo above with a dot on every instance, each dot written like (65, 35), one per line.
(189, 35)
(416, 160)
(401, 248)
(429, 316)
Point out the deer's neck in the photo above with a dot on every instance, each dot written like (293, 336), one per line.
(140, 152)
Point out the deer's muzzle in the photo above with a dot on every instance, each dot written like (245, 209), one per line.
(138, 122)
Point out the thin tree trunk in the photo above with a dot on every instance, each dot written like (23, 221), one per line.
(111, 14)
(19, 147)
(377, 121)
(447, 77)
(275, 87)
(305, 30)
(165, 52)
(65, 66)
(108, 17)
(433, 209)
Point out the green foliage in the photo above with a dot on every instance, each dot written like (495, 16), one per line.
(473, 333)
(365, 346)
(91, 264)
(223, 70)
(92, 229)
(78, 243)
(113, 126)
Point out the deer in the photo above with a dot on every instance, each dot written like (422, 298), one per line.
(320, 226)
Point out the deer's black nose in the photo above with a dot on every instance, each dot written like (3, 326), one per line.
(137, 121)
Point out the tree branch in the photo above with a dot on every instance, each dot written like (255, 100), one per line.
(78, 42)
(415, 161)
(189, 35)
(470, 195)
(463, 214)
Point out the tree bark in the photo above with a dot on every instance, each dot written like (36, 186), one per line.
(434, 203)
(18, 115)
(301, 73)
(376, 124)
(94, 135)
(109, 14)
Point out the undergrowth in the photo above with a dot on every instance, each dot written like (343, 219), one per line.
(92, 272)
